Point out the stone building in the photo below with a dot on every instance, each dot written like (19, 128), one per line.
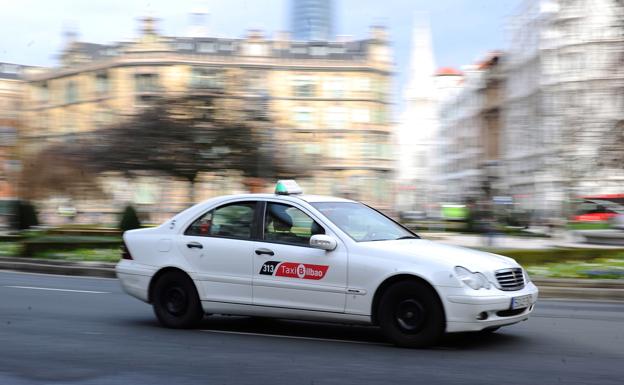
(325, 100)
(468, 158)
(11, 93)
(564, 96)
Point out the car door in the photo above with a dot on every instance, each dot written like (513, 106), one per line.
(219, 246)
(287, 272)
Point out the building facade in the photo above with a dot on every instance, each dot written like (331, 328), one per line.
(565, 94)
(469, 155)
(327, 101)
(12, 87)
(312, 20)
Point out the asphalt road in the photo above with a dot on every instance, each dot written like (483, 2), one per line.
(71, 330)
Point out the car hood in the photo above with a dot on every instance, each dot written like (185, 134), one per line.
(420, 250)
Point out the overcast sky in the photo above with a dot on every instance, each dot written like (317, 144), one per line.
(463, 30)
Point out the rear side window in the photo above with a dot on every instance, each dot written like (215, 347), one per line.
(234, 220)
(288, 224)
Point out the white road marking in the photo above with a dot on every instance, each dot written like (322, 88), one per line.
(294, 337)
(54, 289)
(55, 275)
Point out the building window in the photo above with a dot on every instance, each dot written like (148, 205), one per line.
(205, 78)
(303, 117)
(184, 46)
(379, 88)
(312, 148)
(336, 117)
(360, 115)
(103, 118)
(318, 51)
(338, 148)
(375, 146)
(368, 149)
(42, 120)
(71, 92)
(206, 47)
(42, 93)
(361, 84)
(101, 83)
(146, 83)
(255, 49)
(255, 82)
(299, 50)
(335, 88)
(304, 87)
(71, 124)
(379, 116)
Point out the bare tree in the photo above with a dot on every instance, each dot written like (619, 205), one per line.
(59, 169)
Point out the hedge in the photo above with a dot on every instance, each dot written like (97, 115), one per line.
(542, 256)
(46, 243)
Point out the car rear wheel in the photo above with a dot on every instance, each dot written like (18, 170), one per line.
(175, 300)
(410, 314)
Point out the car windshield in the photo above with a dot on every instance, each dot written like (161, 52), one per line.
(362, 223)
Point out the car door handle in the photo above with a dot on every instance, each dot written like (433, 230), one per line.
(194, 245)
(264, 251)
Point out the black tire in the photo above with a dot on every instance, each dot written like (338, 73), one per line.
(410, 315)
(175, 301)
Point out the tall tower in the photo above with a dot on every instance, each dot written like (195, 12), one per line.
(419, 122)
(312, 19)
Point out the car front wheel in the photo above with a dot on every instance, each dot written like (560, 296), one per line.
(410, 315)
(175, 300)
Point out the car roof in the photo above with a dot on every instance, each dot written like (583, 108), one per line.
(307, 198)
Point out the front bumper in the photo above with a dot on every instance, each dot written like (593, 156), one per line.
(135, 278)
(465, 308)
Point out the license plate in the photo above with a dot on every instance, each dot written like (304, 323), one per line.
(521, 302)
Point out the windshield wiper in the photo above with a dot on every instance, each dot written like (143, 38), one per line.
(407, 237)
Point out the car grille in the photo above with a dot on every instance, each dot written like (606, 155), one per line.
(510, 279)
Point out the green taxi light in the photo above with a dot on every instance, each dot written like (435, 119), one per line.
(287, 187)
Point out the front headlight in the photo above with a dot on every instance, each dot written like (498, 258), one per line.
(474, 281)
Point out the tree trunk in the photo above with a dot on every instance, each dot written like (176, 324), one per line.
(191, 192)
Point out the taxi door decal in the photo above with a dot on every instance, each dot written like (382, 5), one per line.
(294, 270)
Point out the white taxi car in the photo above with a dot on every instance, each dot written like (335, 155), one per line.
(296, 256)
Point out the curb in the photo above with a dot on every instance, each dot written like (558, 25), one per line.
(47, 266)
(561, 288)
(590, 289)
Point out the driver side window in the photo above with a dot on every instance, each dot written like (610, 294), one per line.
(288, 224)
(230, 221)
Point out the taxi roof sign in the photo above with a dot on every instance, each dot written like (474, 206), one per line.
(287, 187)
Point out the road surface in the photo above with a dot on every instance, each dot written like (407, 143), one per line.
(73, 330)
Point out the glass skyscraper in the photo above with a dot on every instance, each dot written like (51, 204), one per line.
(312, 20)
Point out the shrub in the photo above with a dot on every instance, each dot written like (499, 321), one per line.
(129, 219)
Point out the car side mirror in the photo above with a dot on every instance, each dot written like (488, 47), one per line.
(324, 242)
